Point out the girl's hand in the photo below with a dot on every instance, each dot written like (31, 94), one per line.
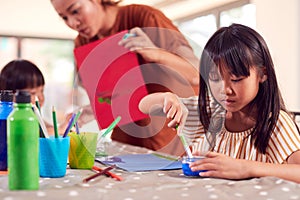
(221, 166)
(165, 103)
(175, 110)
(140, 43)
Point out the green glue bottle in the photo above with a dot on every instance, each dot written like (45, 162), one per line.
(23, 145)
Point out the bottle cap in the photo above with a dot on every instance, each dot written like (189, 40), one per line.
(6, 95)
(23, 97)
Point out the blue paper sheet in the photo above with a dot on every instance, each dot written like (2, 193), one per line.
(141, 162)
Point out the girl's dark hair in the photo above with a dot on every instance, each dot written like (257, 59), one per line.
(20, 74)
(239, 48)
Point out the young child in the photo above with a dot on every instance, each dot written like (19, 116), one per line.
(243, 119)
(20, 74)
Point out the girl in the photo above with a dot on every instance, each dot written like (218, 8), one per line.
(248, 130)
(171, 63)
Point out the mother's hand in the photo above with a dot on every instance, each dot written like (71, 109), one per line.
(140, 43)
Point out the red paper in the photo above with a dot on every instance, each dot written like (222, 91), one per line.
(111, 74)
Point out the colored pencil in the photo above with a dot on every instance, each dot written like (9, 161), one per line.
(112, 175)
(76, 117)
(41, 121)
(69, 125)
(39, 108)
(99, 173)
(73, 121)
(54, 122)
(77, 128)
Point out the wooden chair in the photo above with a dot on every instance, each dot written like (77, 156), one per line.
(295, 114)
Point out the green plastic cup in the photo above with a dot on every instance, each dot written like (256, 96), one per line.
(82, 150)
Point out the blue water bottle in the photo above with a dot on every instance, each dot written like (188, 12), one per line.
(6, 106)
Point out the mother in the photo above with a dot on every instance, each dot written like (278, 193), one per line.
(171, 63)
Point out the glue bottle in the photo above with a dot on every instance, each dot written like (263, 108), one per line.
(6, 106)
(23, 145)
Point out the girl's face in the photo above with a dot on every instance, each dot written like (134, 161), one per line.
(234, 93)
(85, 16)
(37, 92)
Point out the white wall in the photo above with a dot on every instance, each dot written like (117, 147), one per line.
(32, 18)
(279, 23)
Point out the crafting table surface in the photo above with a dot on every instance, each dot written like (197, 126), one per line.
(170, 184)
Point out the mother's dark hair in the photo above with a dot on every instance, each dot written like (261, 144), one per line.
(110, 2)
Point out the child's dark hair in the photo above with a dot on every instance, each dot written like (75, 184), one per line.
(20, 74)
(240, 48)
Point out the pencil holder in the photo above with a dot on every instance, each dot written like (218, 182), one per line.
(82, 150)
(186, 166)
(53, 156)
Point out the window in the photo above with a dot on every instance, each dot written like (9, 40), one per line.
(8, 50)
(199, 28)
(242, 15)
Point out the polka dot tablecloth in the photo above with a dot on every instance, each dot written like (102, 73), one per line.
(154, 185)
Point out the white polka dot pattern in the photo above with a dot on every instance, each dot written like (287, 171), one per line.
(155, 185)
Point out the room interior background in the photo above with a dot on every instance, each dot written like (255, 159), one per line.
(32, 30)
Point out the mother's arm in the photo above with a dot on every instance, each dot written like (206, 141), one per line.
(186, 65)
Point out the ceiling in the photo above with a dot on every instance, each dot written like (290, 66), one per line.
(38, 18)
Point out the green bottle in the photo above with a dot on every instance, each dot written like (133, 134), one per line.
(23, 145)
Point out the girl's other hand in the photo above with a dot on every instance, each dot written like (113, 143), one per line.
(221, 166)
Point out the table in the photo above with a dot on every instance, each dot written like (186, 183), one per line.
(154, 185)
